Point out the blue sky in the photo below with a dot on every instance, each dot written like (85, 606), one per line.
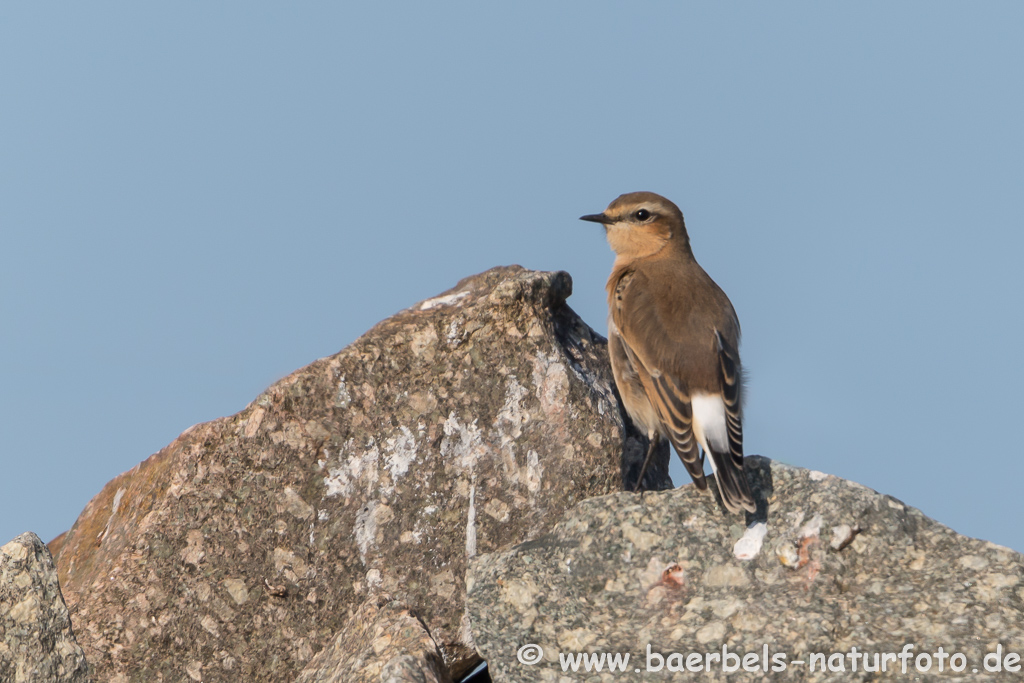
(196, 200)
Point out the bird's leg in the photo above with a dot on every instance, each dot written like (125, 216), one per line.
(655, 442)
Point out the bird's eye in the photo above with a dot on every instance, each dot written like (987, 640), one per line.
(642, 214)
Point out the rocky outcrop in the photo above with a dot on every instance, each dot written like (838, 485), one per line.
(448, 488)
(36, 642)
(465, 424)
(384, 642)
(827, 571)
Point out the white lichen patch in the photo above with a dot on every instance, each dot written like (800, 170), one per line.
(343, 399)
(513, 411)
(749, 545)
(371, 518)
(400, 451)
(451, 335)
(366, 528)
(462, 443)
(841, 536)
(811, 529)
(447, 300)
(341, 480)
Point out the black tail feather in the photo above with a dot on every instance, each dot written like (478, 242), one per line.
(732, 483)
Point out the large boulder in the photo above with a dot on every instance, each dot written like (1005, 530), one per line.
(467, 423)
(384, 642)
(36, 642)
(826, 572)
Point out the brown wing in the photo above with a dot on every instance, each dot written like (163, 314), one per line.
(630, 307)
(672, 405)
(670, 313)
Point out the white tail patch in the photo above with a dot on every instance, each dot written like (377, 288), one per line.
(709, 424)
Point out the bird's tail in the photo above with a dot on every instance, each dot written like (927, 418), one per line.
(732, 483)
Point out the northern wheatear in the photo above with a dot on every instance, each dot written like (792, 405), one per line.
(673, 339)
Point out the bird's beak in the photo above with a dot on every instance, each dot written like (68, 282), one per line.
(597, 218)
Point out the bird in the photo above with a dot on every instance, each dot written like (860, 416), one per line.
(673, 341)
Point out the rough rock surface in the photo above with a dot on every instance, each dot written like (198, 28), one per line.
(841, 567)
(464, 424)
(36, 642)
(384, 642)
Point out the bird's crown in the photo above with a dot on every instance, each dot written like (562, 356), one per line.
(643, 207)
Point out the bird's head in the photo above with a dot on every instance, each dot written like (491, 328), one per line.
(642, 223)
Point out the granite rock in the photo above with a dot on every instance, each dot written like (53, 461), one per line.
(384, 642)
(464, 424)
(832, 565)
(36, 641)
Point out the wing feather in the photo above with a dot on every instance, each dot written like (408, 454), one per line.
(732, 395)
(672, 405)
